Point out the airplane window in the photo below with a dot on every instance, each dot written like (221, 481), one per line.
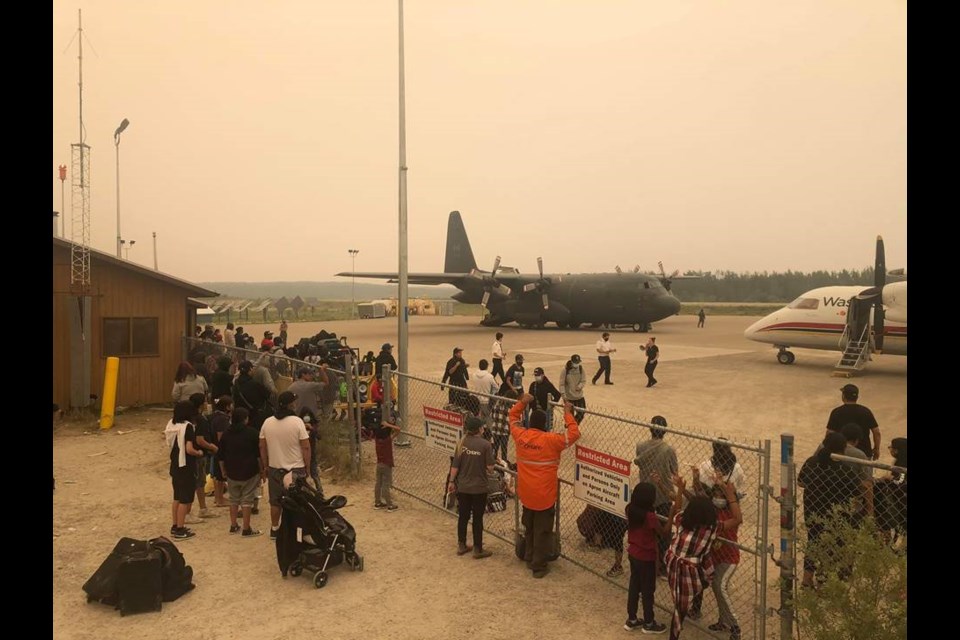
(804, 303)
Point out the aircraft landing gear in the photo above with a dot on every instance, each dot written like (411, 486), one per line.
(785, 357)
(641, 327)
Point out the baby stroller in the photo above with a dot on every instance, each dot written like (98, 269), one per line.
(313, 535)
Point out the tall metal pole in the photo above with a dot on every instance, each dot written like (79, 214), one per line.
(353, 281)
(116, 141)
(788, 534)
(402, 325)
(155, 251)
(63, 211)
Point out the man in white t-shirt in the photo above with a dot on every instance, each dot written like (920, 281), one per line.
(498, 354)
(604, 349)
(284, 448)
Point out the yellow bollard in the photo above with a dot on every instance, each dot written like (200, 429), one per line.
(109, 392)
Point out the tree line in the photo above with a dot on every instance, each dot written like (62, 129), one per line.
(728, 286)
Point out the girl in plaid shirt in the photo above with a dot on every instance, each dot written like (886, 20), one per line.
(501, 424)
(689, 561)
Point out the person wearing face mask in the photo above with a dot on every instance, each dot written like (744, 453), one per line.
(572, 382)
(542, 389)
(711, 478)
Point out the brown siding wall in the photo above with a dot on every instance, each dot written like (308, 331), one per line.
(118, 292)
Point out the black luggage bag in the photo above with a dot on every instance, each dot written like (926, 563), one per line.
(102, 585)
(139, 583)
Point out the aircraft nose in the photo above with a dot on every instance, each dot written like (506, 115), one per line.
(751, 331)
(673, 305)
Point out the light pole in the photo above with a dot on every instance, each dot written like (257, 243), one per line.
(116, 142)
(129, 245)
(63, 212)
(353, 267)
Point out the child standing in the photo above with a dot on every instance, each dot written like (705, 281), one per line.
(688, 558)
(385, 434)
(643, 527)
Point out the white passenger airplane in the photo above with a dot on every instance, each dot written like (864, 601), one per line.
(856, 320)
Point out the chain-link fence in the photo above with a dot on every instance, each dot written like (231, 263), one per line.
(343, 400)
(851, 487)
(596, 477)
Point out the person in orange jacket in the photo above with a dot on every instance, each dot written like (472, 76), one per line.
(538, 460)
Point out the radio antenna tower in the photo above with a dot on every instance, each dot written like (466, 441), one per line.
(80, 194)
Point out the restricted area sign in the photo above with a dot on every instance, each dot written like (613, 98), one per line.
(443, 429)
(602, 480)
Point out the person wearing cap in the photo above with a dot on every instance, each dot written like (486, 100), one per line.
(470, 467)
(284, 448)
(538, 461)
(572, 382)
(497, 356)
(858, 414)
(542, 389)
(267, 343)
(604, 349)
(456, 373)
(385, 357)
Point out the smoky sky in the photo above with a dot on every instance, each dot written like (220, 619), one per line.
(263, 137)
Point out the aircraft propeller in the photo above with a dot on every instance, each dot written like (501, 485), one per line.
(490, 283)
(541, 285)
(879, 280)
(665, 280)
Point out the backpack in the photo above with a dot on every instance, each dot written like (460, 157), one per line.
(176, 575)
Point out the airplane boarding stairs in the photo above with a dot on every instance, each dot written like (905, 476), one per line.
(856, 353)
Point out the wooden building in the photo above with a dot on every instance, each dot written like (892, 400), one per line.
(136, 313)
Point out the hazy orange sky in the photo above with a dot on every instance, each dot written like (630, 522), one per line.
(744, 136)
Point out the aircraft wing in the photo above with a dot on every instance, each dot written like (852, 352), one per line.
(412, 278)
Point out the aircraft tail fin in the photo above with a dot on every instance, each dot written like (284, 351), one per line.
(459, 257)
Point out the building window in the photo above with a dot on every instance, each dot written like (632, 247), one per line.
(131, 337)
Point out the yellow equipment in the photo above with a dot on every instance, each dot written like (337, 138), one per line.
(109, 392)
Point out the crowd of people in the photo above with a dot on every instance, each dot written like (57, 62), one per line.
(685, 532)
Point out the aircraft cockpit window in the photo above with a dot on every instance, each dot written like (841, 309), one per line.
(804, 303)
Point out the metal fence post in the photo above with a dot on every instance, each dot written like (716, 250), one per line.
(350, 372)
(788, 549)
(761, 632)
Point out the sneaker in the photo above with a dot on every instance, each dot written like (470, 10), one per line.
(273, 533)
(540, 574)
(607, 383)
(479, 553)
(206, 513)
(192, 519)
(250, 533)
(694, 614)
(173, 529)
(392, 507)
(183, 534)
(463, 548)
(234, 528)
(378, 505)
(654, 627)
(718, 626)
(632, 625)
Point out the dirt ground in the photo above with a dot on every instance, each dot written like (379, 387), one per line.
(115, 483)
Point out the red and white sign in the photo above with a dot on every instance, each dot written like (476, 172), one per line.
(442, 429)
(602, 479)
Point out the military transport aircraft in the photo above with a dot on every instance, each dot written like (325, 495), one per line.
(840, 318)
(532, 300)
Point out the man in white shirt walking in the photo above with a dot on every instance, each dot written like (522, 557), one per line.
(284, 448)
(498, 355)
(604, 349)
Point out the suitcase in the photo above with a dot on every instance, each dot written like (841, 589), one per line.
(102, 585)
(139, 584)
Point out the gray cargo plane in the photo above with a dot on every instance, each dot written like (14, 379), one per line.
(532, 300)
